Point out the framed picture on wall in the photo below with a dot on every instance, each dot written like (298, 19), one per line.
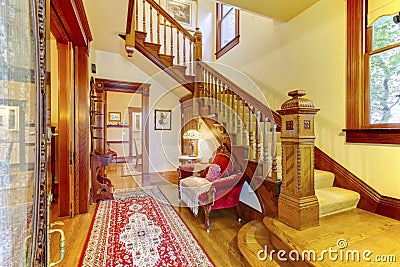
(184, 11)
(136, 121)
(114, 116)
(162, 119)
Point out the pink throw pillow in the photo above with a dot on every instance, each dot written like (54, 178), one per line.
(214, 171)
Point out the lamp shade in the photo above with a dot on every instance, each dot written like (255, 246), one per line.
(192, 135)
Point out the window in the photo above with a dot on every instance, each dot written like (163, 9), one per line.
(227, 28)
(373, 71)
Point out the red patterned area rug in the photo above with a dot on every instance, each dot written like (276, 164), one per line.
(140, 228)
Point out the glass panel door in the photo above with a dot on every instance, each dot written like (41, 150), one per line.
(20, 147)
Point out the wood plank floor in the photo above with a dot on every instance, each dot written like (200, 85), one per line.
(349, 235)
(220, 244)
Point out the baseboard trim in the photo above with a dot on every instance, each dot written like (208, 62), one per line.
(370, 200)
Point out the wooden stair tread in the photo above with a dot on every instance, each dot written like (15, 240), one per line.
(154, 48)
(253, 237)
(166, 59)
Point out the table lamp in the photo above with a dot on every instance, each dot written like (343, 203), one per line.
(192, 135)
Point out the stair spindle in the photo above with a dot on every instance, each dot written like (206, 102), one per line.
(239, 128)
(177, 47)
(184, 50)
(172, 41)
(144, 16)
(258, 135)
(158, 27)
(190, 58)
(233, 117)
(205, 84)
(273, 154)
(228, 110)
(219, 95)
(215, 94)
(251, 134)
(165, 36)
(151, 23)
(136, 15)
(265, 148)
(244, 122)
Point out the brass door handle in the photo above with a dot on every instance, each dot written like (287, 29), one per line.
(62, 245)
(25, 250)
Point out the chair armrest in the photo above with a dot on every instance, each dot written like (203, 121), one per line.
(195, 169)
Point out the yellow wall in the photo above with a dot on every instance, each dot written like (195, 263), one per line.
(309, 53)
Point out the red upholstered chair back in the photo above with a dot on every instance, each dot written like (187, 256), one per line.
(224, 162)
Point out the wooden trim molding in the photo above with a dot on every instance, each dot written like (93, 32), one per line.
(221, 50)
(71, 15)
(354, 68)
(359, 129)
(122, 86)
(227, 47)
(370, 199)
(131, 87)
(373, 136)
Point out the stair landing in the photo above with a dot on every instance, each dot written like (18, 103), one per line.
(345, 232)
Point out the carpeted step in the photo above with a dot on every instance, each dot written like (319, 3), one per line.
(252, 238)
(334, 200)
(323, 179)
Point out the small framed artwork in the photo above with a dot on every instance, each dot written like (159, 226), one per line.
(162, 119)
(114, 116)
(183, 12)
(9, 116)
(136, 121)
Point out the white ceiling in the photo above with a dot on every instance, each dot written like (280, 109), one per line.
(283, 10)
(108, 18)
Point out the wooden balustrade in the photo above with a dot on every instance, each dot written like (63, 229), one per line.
(245, 117)
(249, 121)
(164, 30)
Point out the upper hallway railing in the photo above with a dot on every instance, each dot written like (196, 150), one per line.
(163, 30)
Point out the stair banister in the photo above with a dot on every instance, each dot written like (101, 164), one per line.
(178, 38)
(242, 93)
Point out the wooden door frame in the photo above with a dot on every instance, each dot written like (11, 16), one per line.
(133, 88)
(70, 28)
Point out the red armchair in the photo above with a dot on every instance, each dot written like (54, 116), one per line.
(220, 192)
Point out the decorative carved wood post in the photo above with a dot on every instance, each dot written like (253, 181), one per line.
(298, 206)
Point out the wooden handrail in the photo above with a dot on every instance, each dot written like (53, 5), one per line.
(251, 100)
(171, 20)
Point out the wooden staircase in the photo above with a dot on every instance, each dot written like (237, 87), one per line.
(245, 124)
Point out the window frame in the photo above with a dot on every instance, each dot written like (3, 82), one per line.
(221, 50)
(358, 127)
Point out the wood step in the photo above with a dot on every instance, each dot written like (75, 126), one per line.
(190, 78)
(152, 48)
(252, 238)
(166, 59)
(140, 37)
(179, 69)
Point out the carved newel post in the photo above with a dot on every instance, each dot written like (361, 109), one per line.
(297, 205)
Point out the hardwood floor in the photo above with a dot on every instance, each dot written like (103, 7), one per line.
(220, 243)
